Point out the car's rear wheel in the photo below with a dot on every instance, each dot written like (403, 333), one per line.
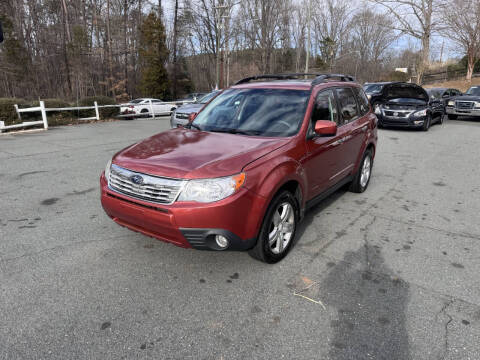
(278, 229)
(362, 177)
(452, 117)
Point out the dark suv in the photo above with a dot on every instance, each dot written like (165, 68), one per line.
(466, 105)
(243, 173)
(407, 105)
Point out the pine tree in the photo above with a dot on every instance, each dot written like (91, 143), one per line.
(153, 57)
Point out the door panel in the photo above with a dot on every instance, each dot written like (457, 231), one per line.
(324, 154)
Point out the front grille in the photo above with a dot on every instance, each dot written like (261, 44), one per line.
(182, 116)
(397, 114)
(401, 107)
(464, 105)
(146, 187)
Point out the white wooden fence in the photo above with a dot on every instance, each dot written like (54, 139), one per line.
(43, 110)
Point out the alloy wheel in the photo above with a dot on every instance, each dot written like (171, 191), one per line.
(366, 170)
(281, 229)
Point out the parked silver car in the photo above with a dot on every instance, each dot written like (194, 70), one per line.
(181, 115)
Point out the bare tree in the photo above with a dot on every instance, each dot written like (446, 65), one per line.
(371, 39)
(462, 25)
(331, 28)
(415, 18)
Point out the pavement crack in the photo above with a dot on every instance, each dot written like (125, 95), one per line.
(36, 253)
(447, 232)
(447, 323)
(366, 244)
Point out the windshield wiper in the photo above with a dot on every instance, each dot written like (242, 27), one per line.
(237, 131)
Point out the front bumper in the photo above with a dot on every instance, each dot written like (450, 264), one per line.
(188, 224)
(176, 122)
(410, 121)
(463, 112)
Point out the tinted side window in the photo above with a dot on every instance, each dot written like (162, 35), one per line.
(363, 102)
(325, 107)
(348, 105)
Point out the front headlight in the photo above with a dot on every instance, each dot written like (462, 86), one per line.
(421, 113)
(476, 104)
(210, 190)
(451, 103)
(107, 170)
(369, 96)
(378, 111)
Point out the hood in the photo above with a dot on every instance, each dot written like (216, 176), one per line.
(398, 103)
(189, 108)
(405, 91)
(191, 154)
(466, 98)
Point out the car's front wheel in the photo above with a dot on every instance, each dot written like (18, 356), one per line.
(362, 177)
(278, 229)
(427, 123)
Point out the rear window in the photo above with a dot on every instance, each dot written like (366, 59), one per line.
(362, 100)
(348, 105)
(373, 88)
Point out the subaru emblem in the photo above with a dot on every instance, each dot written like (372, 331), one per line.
(137, 179)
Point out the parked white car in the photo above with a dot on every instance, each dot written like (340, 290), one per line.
(142, 106)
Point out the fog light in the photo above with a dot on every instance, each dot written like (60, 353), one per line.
(418, 122)
(222, 241)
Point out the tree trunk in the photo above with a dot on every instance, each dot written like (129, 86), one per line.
(471, 64)
(175, 36)
(65, 53)
(111, 89)
(125, 43)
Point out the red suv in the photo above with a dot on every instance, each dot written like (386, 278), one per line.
(241, 175)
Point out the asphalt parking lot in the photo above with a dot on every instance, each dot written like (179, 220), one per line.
(393, 272)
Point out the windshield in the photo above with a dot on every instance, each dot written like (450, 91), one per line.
(207, 97)
(435, 93)
(373, 88)
(136, 101)
(261, 112)
(474, 91)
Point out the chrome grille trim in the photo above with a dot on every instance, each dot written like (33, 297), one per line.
(154, 189)
(467, 105)
(182, 116)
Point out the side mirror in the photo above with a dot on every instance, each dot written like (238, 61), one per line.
(1, 33)
(325, 128)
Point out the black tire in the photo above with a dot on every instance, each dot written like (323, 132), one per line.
(262, 250)
(452, 117)
(427, 123)
(358, 185)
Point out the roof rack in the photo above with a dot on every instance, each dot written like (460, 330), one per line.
(319, 78)
(340, 77)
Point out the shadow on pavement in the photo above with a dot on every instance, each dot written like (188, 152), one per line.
(371, 308)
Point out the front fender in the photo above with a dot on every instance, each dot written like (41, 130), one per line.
(266, 177)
